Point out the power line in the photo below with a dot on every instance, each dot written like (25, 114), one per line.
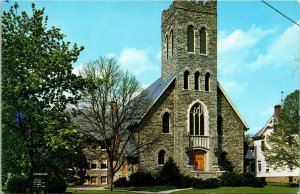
(281, 13)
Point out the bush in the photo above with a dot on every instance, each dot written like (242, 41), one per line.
(57, 185)
(232, 179)
(121, 182)
(248, 179)
(169, 174)
(142, 179)
(184, 182)
(18, 184)
(210, 183)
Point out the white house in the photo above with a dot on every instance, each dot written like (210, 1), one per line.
(285, 174)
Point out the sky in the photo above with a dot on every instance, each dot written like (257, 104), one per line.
(257, 47)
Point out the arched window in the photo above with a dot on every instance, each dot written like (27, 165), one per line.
(186, 80)
(166, 122)
(167, 46)
(196, 120)
(172, 43)
(203, 42)
(190, 38)
(196, 84)
(161, 157)
(220, 125)
(207, 81)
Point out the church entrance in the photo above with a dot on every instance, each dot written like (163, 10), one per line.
(198, 160)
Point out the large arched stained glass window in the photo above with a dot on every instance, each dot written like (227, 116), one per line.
(196, 120)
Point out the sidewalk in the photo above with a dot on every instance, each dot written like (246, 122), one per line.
(161, 192)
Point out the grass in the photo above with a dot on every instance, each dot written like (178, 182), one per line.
(269, 189)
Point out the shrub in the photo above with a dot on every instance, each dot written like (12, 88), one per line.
(184, 182)
(18, 184)
(121, 182)
(248, 179)
(231, 179)
(142, 179)
(169, 174)
(210, 183)
(56, 185)
(239, 180)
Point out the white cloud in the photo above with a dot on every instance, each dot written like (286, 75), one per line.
(135, 61)
(235, 48)
(233, 88)
(76, 70)
(111, 55)
(158, 55)
(283, 51)
(241, 39)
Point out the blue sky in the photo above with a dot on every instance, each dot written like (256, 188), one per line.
(257, 47)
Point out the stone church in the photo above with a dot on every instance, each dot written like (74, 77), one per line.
(198, 124)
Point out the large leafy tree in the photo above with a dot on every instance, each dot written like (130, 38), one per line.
(284, 142)
(37, 81)
(108, 112)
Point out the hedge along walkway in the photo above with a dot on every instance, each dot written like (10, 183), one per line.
(160, 192)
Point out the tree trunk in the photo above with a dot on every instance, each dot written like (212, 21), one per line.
(110, 175)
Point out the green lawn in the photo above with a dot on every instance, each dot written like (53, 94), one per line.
(271, 188)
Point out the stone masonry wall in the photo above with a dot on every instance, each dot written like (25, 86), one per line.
(233, 134)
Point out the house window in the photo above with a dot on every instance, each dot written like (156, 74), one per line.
(161, 157)
(190, 38)
(186, 80)
(103, 164)
(172, 43)
(262, 145)
(220, 125)
(166, 122)
(94, 165)
(93, 180)
(259, 166)
(196, 120)
(267, 167)
(103, 180)
(167, 47)
(196, 84)
(203, 43)
(207, 81)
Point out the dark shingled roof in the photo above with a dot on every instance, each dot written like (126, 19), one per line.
(156, 89)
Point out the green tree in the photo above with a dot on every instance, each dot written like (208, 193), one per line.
(108, 112)
(37, 80)
(284, 142)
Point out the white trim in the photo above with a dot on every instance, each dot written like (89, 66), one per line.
(205, 114)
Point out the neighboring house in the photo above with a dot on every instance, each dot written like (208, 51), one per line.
(285, 174)
(199, 126)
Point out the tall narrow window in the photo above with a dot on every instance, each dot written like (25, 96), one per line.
(167, 47)
(166, 122)
(190, 38)
(220, 125)
(207, 82)
(172, 43)
(203, 42)
(161, 157)
(196, 120)
(186, 80)
(196, 84)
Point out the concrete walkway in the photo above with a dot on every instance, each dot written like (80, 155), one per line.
(82, 188)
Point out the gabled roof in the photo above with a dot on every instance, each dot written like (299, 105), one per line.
(156, 89)
(268, 125)
(233, 107)
(249, 155)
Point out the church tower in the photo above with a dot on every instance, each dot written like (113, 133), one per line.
(189, 51)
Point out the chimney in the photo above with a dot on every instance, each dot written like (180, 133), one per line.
(277, 109)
